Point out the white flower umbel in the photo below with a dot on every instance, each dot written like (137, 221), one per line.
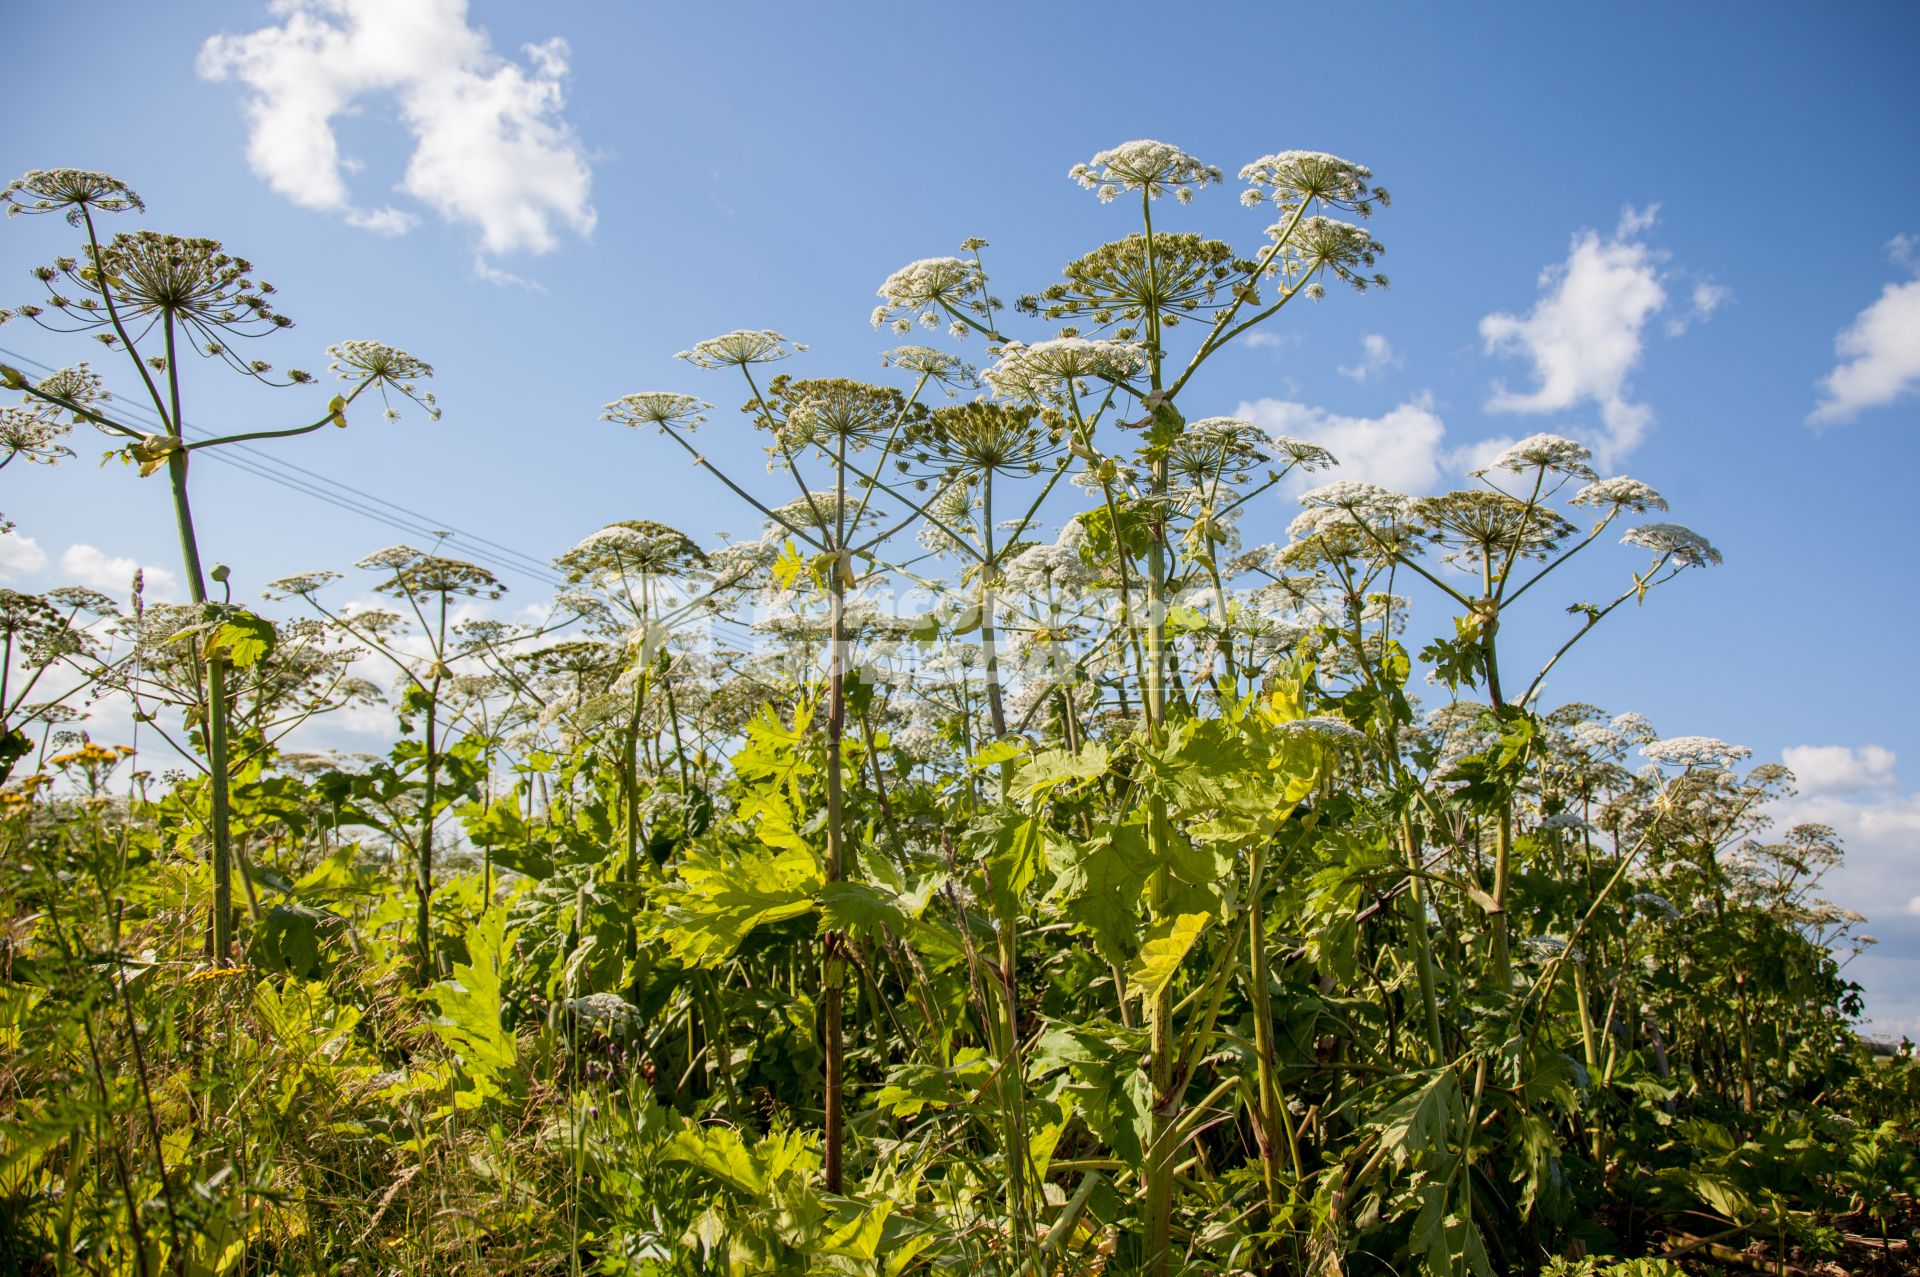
(1695, 751)
(1153, 167)
(1046, 368)
(1685, 546)
(1039, 568)
(1365, 502)
(741, 347)
(923, 291)
(661, 408)
(70, 190)
(1622, 493)
(1325, 730)
(1291, 178)
(1542, 452)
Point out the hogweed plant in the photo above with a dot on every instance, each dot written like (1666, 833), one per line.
(856, 430)
(152, 297)
(1071, 886)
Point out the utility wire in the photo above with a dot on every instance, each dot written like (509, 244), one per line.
(402, 518)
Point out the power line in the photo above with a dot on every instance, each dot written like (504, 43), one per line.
(404, 519)
(413, 521)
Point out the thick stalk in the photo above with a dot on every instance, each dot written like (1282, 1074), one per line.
(1422, 943)
(1161, 1047)
(835, 965)
(833, 948)
(996, 707)
(1012, 1075)
(1590, 1048)
(423, 854)
(221, 930)
(630, 778)
(1267, 1128)
(1503, 832)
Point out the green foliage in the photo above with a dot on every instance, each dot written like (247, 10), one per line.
(1122, 919)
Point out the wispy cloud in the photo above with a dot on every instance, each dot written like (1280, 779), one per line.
(1262, 339)
(1831, 769)
(491, 146)
(113, 574)
(1585, 335)
(1376, 356)
(1706, 298)
(1403, 448)
(19, 556)
(1880, 351)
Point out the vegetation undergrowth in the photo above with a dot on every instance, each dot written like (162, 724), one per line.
(1130, 904)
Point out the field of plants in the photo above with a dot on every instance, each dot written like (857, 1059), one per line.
(995, 867)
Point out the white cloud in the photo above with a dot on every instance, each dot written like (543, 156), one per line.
(1706, 298)
(19, 556)
(113, 576)
(1636, 221)
(1880, 878)
(1264, 339)
(1584, 336)
(487, 272)
(1837, 769)
(383, 221)
(1879, 352)
(1376, 356)
(491, 147)
(1403, 449)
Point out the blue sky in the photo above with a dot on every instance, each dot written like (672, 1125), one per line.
(1678, 209)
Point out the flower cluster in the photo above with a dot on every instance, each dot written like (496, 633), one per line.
(1124, 281)
(1322, 245)
(1040, 569)
(1366, 502)
(299, 585)
(935, 365)
(1051, 368)
(1682, 544)
(931, 291)
(632, 546)
(142, 279)
(739, 348)
(1621, 493)
(609, 1009)
(1542, 452)
(1291, 178)
(1324, 729)
(374, 363)
(1153, 167)
(1481, 527)
(1695, 751)
(416, 572)
(70, 189)
(32, 432)
(661, 408)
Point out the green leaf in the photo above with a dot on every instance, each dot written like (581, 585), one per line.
(719, 898)
(1052, 769)
(1421, 1120)
(244, 638)
(788, 565)
(1000, 751)
(859, 1239)
(1100, 883)
(721, 1153)
(1166, 948)
(862, 908)
(470, 1006)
